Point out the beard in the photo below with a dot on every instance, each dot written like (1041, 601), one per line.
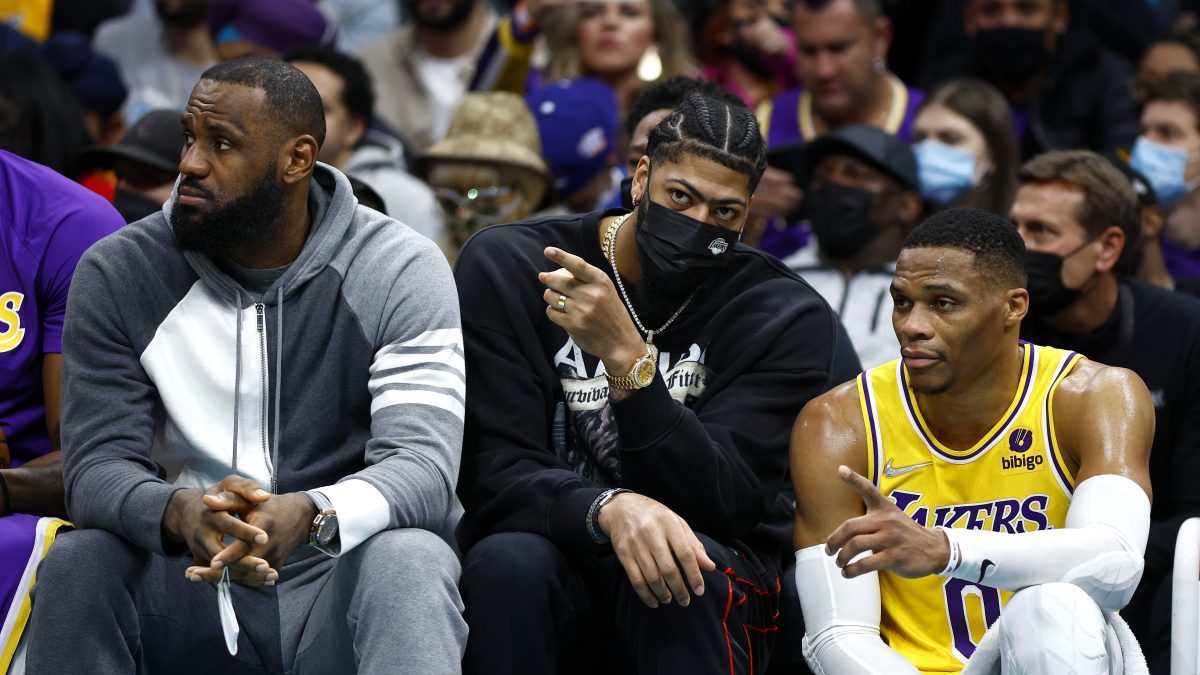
(188, 15)
(248, 223)
(458, 14)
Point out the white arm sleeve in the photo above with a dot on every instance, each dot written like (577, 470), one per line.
(1101, 549)
(841, 620)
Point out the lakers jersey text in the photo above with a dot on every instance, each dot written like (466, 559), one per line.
(1013, 480)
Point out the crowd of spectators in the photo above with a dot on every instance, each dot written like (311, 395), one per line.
(451, 116)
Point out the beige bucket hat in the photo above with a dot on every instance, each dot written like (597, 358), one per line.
(490, 127)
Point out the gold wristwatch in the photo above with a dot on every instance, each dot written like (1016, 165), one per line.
(641, 375)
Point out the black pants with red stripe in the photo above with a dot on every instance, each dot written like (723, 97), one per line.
(534, 610)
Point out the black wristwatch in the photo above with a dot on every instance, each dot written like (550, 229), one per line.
(324, 528)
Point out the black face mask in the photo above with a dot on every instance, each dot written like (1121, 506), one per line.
(678, 253)
(750, 57)
(133, 207)
(1047, 294)
(1011, 54)
(840, 217)
(627, 193)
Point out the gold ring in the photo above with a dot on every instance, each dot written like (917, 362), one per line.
(561, 305)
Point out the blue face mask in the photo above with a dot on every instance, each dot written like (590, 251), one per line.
(946, 172)
(1164, 167)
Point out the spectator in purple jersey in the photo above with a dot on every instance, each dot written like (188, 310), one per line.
(841, 47)
(46, 223)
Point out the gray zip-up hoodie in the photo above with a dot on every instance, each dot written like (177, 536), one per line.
(346, 376)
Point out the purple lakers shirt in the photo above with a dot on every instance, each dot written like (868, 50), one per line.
(46, 223)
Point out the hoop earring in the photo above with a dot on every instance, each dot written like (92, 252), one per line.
(650, 66)
(880, 66)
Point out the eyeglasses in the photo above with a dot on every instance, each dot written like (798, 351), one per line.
(483, 205)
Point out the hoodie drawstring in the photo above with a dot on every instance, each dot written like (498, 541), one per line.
(278, 385)
(237, 373)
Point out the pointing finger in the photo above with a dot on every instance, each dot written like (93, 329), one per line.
(870, 494)
(572, 263)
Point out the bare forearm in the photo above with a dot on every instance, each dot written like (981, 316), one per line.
(37, 487)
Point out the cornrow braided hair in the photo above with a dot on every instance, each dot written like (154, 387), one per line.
(725, 133)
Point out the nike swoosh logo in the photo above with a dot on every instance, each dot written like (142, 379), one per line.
(983, 569)
(892, 472)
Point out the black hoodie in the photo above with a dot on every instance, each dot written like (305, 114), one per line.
(709, 438)
(1086, 102)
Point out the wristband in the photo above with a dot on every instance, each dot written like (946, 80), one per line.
(955, 554)
(593, 515)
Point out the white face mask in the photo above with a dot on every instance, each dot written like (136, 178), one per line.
(1164, 167)
(229, 622)
(946, 172)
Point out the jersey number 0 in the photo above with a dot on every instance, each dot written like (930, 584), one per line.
(960, 614)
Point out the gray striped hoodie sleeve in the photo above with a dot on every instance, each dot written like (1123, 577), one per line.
(404, 296)
(108, 404)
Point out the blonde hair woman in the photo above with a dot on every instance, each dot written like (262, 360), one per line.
(623, 44)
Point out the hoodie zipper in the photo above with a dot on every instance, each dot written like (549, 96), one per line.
(260, 310)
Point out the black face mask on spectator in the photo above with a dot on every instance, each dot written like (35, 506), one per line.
(751, 58)
(748, 55)
(1047, 293)
(1011, 54)
(133, 206)
(840, 217)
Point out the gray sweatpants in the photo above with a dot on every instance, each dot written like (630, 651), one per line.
(391, 605)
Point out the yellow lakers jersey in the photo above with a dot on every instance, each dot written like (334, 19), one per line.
(1012, 480)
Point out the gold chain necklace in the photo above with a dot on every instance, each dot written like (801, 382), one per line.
(610, 252)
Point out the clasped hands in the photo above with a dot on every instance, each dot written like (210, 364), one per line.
(265, 529)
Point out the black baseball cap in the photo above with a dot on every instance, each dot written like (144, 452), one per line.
(155, 140)
(871, 144)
